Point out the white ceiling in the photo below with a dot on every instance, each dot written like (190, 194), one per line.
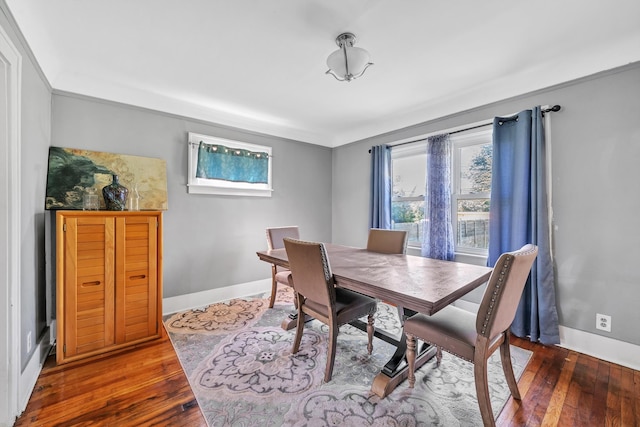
(260, 65)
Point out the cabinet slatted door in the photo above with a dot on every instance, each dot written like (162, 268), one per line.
(89, 291)
(108, 281)
(136, 278)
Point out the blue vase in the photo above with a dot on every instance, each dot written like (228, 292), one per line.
(115, 195)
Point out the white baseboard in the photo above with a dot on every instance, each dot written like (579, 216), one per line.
(53, 331)
(29, 376)
(614, 351)
(200, 299)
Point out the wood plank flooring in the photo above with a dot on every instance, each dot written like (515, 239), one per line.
(147, 387)
(144, 386)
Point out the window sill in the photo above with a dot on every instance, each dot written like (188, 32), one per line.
(466, 258)
(474, 259)
(227, 191)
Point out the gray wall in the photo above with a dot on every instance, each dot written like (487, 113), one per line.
(595, 147)
(35, 136)
(209, 241)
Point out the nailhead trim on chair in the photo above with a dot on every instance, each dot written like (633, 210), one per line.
(444, 349)
(325, 266)
(505, 268)
(457, 355)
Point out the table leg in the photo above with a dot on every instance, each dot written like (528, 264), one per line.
(384, 384)
(291, 321)
(395, 370)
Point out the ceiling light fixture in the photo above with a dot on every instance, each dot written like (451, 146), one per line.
(348, 62)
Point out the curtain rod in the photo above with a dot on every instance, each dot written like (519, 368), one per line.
(546, 110)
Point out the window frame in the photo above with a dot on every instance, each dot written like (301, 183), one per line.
(459, 140)
(411, 150)
(404, 152)
(463, 140)
(197, 185)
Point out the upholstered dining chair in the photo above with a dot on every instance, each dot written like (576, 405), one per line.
(317, 296)
(387, 241)
(279, 275)
(474, 337)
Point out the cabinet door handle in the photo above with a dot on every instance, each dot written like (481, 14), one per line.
(140, 276)
(95, 283)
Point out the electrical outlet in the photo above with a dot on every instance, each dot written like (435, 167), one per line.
(28, 341)
(603, 322)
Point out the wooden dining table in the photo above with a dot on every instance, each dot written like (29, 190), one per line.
(413, 284)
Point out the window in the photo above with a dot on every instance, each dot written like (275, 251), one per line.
(407, 200)
(471, 190)
(224, 167)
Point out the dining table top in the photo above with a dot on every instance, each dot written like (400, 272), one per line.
(421, 284)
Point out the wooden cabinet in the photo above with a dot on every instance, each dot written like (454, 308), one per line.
(108, 281)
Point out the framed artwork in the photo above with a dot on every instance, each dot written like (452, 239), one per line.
(224, 167)
(73, 173)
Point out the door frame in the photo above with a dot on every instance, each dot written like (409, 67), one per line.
(10, 108)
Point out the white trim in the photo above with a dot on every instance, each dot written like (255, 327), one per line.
(29, 376)
(220, 191)
(53, 328)
(469, 306)
(11, 61)
(469, 138)
(200, 299)
(601, 347)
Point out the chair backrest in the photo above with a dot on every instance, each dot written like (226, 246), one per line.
(276, 234)
(387, 241)
(311, 272)
(504, 290)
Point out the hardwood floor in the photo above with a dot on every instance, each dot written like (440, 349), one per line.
(566, 388)
(146, 386)
(141, 387)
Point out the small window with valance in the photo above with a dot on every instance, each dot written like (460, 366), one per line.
(226, 167)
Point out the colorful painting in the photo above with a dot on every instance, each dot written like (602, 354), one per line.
(74, 173)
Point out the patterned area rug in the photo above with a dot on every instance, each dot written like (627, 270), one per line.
(239, 364)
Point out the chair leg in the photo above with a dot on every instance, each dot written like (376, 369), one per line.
(299, 327)
(331, 353)
(482, 386)
(274, 287)
(507, 367)
(295, 301)
(438, 355)
(370, 331)
(411, 359)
